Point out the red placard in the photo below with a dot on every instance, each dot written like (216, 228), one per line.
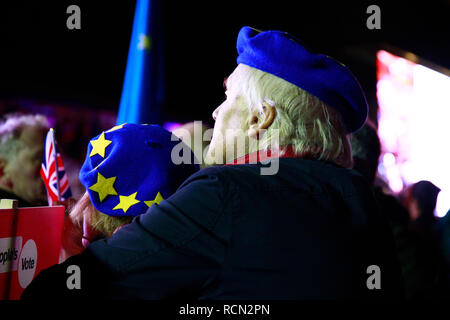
(30, 241)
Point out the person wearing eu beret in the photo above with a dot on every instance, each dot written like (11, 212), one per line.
(280, 217)
(127, 169)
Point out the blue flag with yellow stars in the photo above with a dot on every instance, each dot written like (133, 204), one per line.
(143, 87)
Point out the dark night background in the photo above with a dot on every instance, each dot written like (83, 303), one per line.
(41, 60)
(75, 77)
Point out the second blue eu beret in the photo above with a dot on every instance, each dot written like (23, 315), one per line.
(130, 167)
(286, 57)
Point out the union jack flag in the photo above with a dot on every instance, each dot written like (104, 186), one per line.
(54, 177)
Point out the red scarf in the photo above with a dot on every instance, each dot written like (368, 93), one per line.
(261, 155)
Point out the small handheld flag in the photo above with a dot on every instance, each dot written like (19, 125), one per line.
(53, 173)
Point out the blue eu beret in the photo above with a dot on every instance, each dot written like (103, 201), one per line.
(286, 57)
(129, 168)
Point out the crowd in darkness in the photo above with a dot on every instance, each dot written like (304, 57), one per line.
(327, 186)
(421, 239)
(141, 226)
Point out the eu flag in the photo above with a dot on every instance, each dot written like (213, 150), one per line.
(143, 87)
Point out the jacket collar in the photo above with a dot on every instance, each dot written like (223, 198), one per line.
(262, 155)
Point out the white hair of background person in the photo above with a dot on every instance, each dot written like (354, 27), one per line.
(21, 150)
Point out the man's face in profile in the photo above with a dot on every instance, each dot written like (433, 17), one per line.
(230, 126)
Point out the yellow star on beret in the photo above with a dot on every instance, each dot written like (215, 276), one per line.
(157, 200)
(104, 186)
(126, 202)
(99, 145)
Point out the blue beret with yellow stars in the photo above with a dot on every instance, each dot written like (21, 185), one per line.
(286, 57)
(129, 168)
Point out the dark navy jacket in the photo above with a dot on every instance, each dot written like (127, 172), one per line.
(309, 232)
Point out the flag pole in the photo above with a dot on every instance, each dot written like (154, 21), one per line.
(56, 164)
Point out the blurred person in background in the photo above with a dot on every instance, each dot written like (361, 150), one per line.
(421, 200)
(421, 204)
(366, 150)
(21, 151)
(418, 273)
(443, 232)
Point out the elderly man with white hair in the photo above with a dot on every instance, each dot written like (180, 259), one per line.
(283, 218)
(21, 149)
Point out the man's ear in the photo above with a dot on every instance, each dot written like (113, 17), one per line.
(260, 121)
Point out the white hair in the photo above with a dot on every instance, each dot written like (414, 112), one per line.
(15, 123)
(20, 162)
(11, 130)
(302, 120)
